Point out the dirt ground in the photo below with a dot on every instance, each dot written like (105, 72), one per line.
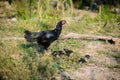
(101, 66)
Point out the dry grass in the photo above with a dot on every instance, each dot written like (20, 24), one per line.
(18, 59)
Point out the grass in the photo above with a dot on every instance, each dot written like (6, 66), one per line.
(33, 67)
(115, 67)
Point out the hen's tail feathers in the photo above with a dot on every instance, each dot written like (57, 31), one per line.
(27, 32)
(28, 36)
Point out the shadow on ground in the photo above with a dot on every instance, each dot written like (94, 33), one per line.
(26, 46)
(30, 49)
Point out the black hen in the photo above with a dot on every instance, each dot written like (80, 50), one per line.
(45, 38)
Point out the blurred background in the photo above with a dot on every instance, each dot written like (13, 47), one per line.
(98, 17)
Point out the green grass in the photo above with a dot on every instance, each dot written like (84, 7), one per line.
(115, 66)
(117, 55)
(31, 66)
(35, 67)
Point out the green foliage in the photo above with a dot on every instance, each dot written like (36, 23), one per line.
(46, 67)
(108, 53)
(38, 15)
(106, 14)
(21, 9)
(108, 22)
(116, 66)
(117, 55)
(40, 9)
(31, 66)
(11, 69)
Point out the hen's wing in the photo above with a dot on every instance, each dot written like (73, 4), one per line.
(47, 36)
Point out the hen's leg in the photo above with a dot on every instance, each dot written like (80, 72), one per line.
(46, 46)
(47, 52)
(40, 49)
